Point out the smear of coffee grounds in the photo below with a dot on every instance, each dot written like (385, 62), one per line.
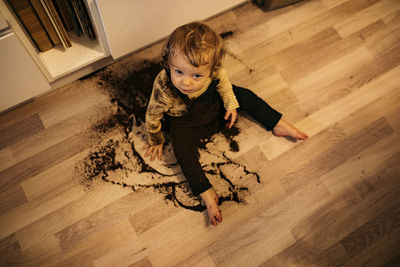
(229, 134)
(117, 161)
(229, 53)
(226, 34)
(131, 90)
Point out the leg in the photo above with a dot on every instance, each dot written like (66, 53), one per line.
(284, 128)
(257, 107)
(185, 143)
(265, 114)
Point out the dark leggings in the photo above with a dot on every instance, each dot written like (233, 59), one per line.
(204, 118)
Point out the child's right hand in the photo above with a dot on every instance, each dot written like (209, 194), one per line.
(155, 150)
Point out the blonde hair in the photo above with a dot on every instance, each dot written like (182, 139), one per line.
(198, 42)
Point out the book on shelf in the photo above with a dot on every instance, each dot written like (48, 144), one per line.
(32, 24)
(83, 18)
(55, 19)
(45, 20)
(64, 13)
(49, 22)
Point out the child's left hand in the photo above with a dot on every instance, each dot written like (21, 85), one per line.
(230, 117)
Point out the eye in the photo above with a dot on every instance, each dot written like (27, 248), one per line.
(178, 71)
(197, 75)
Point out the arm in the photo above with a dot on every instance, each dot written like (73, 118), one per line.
(225, 90)
(154, 114)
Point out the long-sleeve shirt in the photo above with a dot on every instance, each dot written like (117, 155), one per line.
(166, 100)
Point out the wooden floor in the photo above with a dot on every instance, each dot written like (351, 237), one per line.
(332, 67)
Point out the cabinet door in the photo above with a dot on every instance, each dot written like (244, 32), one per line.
(132, 24)
(20, 77)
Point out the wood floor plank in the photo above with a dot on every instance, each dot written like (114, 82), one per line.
(57, 133)
(272, 262)
(23, 215)
(355, 78)
(333, 3)
(333, 256)
(385, 248)
(151, 216)
(108, 216)
(338, 110)
(12, 198)
(201, 258)
(320, 88)
(9, 250)
(381, 107)
(18, 131)
(40, 254)
(97, 245)
(325, 250)
(254, 252)
(72, 101)
(42, 161)
(6, 159)
(169, 254)
(61, 174)
(125, 254)
(281, 23)
(167, 237)
(366, 16)
(269, 86)
(386, 39)
(395, 261)
(302, 31)
(355, 170)
(250, 75)
(303, 253)
(393, 119)
(333, 158)
(303, 55)
(284, 214)
(142, 263)
(69, 214)
(49, 103)
(350, 218)
(379, 228)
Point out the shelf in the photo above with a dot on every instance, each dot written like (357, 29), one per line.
(60, 62)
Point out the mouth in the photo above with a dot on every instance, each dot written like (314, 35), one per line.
(185, 91)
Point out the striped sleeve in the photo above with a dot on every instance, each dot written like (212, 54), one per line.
(155, 112)
(225, 90)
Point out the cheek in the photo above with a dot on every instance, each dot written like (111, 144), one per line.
(201, 83)
(175, 80)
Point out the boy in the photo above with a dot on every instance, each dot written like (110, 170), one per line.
(195, 97)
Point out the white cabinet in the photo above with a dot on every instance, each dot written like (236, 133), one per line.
(132, 24)
(20, 77)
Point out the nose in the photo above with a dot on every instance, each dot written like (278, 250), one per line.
(186, 81)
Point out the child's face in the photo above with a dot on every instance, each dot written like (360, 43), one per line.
(186, 77)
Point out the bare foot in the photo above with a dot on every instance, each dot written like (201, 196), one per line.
(210, 198)
(285, 129)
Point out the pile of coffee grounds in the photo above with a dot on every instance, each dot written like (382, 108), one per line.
(118, 158)
(132, 89)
